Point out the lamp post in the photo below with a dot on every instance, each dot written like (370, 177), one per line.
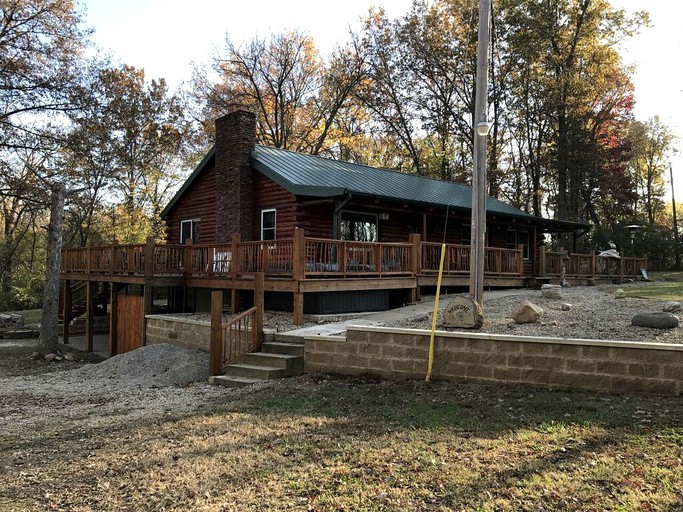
(632, 228)
(479, 172)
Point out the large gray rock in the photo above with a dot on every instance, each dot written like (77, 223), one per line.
(672, 307)
(463, 312)
(656, 320)
(619, 294)
(527, 313)
(551, 291)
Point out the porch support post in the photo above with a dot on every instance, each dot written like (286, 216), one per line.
(89, 315)
(259, 302)
(298, 308)
(113, 319)
(66, 311)
(235, 255)
(541, 261)
(416, 264)
(146, 308)
(520, 262)
(216, 340)
(299, 271)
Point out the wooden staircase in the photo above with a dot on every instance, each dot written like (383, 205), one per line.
(281, 357)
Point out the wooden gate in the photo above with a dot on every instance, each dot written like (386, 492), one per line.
(130, 323)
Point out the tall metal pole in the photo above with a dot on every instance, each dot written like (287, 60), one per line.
(481, 127)
(677, 246)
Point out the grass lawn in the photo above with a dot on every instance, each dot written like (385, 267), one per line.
(355, 445)
(666, 286)
(31, 316)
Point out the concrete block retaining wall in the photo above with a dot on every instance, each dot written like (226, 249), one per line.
(592, 365)
(181, 332)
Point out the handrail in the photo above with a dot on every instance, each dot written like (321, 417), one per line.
(239, 336)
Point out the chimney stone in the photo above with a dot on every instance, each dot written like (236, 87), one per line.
(235, 139)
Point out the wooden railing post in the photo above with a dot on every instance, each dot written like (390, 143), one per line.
(520, 260)
(415, 253)
(235, 250)
(541, 261)
(187, 256)
(216, 340)
(259, 302)
(149, 258)
(591, 265)
(299, 255)
(378, 258)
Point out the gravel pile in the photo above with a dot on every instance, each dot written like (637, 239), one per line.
(595, 314)
(152, 365)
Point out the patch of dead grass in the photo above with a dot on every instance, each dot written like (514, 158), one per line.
(328, 444)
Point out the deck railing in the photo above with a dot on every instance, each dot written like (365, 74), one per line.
(304, 257)
(498, 261)
(581, 265)
(341, 257)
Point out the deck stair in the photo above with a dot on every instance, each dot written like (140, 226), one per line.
(276, 360)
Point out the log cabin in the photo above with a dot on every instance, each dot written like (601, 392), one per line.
(309, 234)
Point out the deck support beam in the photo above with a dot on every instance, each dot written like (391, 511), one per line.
(66, 311)
(113, 319)
(89, 315)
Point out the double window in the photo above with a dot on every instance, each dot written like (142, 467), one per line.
(359, 227)
(517, 237)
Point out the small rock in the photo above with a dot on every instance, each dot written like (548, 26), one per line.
(527, 313)
(591, 282)
(35, 355)
(551, 291)
(566, 306)
(619, 294)
(50, 357)
(463, 312)
(672, 307)
(657, 320)
(69, 357)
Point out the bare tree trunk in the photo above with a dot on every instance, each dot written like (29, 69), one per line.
(49, 325)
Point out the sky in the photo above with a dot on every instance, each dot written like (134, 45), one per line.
(166, 36)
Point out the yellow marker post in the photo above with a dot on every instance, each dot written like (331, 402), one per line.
(434, 315)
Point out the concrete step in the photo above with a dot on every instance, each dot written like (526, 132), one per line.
(284, 337)
(278, 347)
(233, 382)
(254, 371)
(285, 361)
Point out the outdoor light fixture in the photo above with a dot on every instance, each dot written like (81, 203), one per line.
(483, 128)
(632, 228)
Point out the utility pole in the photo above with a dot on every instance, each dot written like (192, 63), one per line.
(482, 127)
(677, 246)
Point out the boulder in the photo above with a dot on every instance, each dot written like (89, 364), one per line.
(672, 307)
(566, 306)
(463, 312)
(656, 320)
(619, 294)
(527, 313)
(551, 291)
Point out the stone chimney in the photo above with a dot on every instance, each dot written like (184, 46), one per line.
(235, 139)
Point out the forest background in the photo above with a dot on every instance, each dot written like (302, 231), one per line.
(399, 94)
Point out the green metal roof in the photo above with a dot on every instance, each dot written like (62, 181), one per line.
(309, 175)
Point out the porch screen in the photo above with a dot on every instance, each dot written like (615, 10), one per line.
(359, 227)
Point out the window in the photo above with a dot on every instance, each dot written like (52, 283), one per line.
(359, 227)
(515, 238)
(189, 229)
(268, 224)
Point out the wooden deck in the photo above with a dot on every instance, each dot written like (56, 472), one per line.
(303, 265)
